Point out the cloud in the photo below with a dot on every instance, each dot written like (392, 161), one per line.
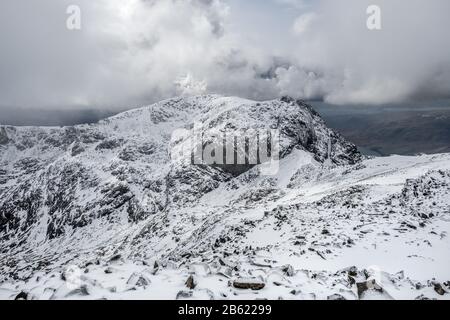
(297, 82)
(303, 23)
(372, 67)
(188, 86)
(135, 52)
(127, 52)
(298, 4)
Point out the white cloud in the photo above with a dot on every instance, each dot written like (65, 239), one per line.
(298, 4)
(188, 86)
(303, 23)
(297, 82)
(138, 51)
(373, 67)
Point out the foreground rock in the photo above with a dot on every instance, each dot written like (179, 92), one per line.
(250, 283)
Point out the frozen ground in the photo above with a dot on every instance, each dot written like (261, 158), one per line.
(300, 246)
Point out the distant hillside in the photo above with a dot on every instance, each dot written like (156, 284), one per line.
(407, 129)
(386, 130)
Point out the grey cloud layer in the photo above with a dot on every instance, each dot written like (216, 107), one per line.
(134, 52)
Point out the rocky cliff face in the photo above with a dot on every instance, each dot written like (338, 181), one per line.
(119, 170)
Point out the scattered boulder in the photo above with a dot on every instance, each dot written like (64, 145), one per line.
(369, 285)
(438, 288)
(156, 268)
(400, 275)
(353, 275)
(225, 271)
(184, 295)
(112, 289)
(109, 270)
(262, 264)
(191, 283)
(336, 297)
(138, 280)
(419, 286)
(22, 296)
(288, 270)
(352, 271)
(250, 283)
(115, 258)
(422, 297)
(81, 291)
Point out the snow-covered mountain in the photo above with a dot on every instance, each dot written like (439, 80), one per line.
(106, 211)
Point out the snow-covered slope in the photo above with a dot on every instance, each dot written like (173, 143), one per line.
(108, 201)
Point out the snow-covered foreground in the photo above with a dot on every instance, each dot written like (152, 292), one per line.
(315, 241)
(101, 212)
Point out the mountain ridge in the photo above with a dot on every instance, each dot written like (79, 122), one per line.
(110, 193)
